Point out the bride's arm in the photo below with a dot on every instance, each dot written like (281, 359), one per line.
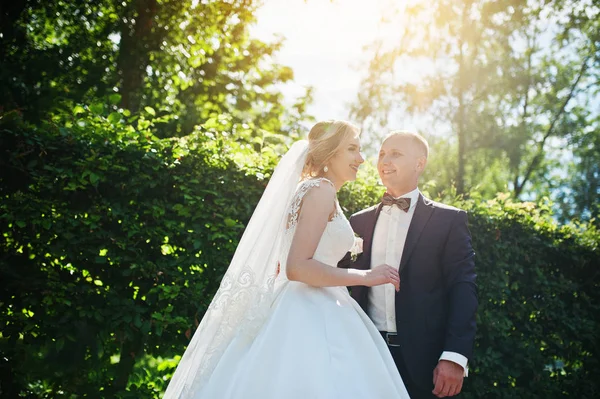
(317, 206)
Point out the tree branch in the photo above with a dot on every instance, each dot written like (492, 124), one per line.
(537, 158)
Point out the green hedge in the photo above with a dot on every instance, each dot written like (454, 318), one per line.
(540, 300)
(114, 243)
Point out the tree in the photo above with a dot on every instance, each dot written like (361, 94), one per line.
(508, 79)
(53, 51)
(193, 60)
(578, 190)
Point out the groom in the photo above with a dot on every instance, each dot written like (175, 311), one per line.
(429, 325)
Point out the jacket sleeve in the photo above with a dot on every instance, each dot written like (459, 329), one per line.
(460, 283)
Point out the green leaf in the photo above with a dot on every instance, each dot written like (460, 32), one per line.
(97, 108)
(100, 349)
(114, 117)
(94, 178)
(150, 110)
(230, 222)
(114, 98)
(211, 123)
(146, 327)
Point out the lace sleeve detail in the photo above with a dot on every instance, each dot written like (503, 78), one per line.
(296, 205)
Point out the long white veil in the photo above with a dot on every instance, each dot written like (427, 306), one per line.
(243, 299)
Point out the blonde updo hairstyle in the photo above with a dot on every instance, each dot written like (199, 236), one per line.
(324, 140)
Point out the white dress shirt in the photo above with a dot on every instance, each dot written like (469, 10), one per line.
(388, 244)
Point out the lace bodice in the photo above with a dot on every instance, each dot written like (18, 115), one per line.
(337, 238)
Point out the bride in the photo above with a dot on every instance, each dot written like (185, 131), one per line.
(282, 324)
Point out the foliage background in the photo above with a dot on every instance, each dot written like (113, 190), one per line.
(137, 136)
(114, 242)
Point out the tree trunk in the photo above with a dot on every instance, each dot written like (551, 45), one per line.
(130, 351)
(134, 51)
(460, 174)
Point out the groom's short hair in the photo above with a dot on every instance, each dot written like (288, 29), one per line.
(417, 138)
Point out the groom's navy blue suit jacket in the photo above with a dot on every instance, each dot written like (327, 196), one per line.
(437, 301)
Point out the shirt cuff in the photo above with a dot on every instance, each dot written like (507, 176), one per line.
(458, 359)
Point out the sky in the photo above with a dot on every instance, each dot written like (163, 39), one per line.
(324, 45)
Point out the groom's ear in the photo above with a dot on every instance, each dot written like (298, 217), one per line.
(421, 163)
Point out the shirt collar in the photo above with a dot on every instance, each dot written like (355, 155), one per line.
(413, 195)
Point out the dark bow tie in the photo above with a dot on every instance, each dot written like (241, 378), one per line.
(402, 203)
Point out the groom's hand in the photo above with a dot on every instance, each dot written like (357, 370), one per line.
(447, 378)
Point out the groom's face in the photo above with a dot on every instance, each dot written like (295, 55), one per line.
(400, 162)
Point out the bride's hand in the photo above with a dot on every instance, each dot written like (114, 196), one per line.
(382, 274)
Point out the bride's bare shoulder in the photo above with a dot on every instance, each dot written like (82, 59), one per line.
(315, 195)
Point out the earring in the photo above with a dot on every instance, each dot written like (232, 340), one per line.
(325, 169)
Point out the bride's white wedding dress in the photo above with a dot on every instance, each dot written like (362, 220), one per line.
(316, 343)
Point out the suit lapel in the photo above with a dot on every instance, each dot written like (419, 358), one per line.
(423, 212)
(369, 231)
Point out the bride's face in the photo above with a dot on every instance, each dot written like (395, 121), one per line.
(343, 166)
